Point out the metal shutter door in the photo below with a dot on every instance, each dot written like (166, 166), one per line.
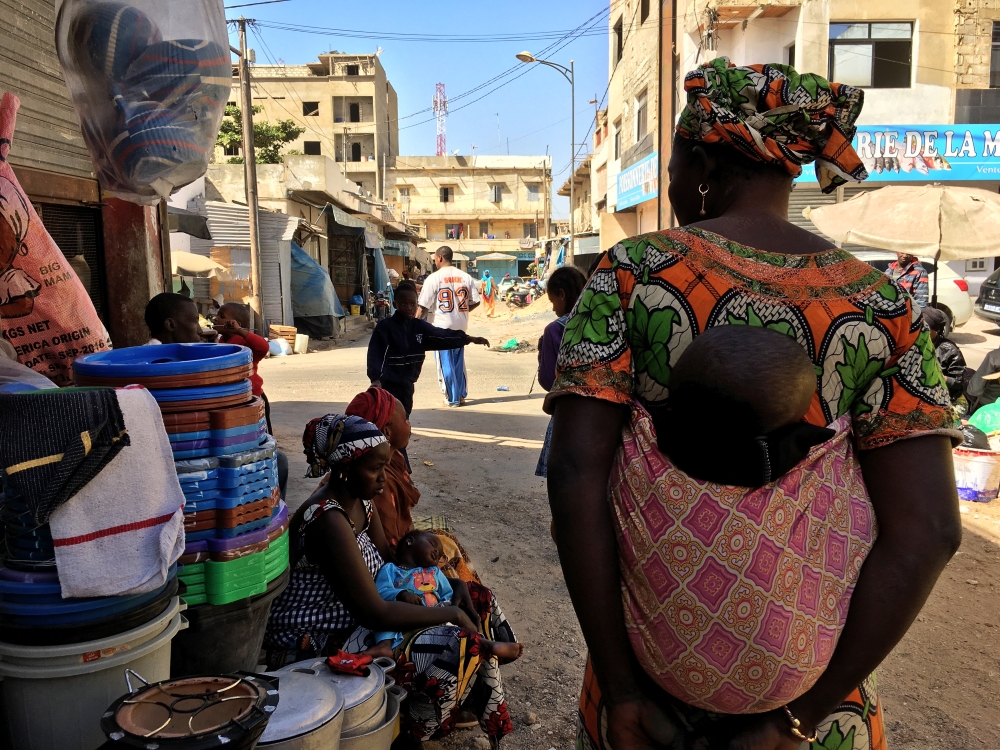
(77, 231)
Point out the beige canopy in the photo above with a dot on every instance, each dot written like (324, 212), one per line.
(923, 220)
(198, 266)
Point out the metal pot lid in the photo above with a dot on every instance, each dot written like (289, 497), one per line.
(307, 702)
(355, 689)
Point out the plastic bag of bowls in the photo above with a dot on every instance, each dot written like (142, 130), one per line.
(149, 81)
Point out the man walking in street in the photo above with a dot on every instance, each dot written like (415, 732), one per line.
(450, 294)
(910, 274)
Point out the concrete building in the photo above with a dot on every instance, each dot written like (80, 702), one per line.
(929, 68)
(476, 204)
(586, 218)
(626, 140)
(331, 222)
(345, 103)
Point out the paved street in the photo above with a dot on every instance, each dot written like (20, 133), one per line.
(939, 687)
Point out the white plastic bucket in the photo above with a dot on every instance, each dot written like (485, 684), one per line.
(54, 697)
(977, 474)
(301, 344)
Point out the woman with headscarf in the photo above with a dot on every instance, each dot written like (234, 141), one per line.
(488, 290)
(745, 133)
(331, 602)
(396, 501)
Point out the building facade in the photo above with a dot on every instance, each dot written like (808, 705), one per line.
(930, 70)
(347, 106)
(626, 139)
(475, 204)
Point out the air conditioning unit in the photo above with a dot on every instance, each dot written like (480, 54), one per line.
(496, 193)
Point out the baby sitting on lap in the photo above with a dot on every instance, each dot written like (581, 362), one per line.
(417, 579)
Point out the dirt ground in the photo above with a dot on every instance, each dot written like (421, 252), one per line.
(940, 686)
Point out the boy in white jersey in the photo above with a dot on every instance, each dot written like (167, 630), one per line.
(451, 294)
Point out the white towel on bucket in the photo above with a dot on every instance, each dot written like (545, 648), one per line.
(121, 533)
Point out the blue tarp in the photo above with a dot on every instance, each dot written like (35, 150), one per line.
(314, 302)
(313, 295)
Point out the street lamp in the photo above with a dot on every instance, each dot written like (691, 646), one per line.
(527, 57)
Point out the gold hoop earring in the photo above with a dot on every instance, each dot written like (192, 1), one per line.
(703, 190)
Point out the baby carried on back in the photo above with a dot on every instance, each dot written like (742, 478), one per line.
(742, 529)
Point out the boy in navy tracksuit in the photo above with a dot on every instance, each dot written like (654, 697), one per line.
(398, 344)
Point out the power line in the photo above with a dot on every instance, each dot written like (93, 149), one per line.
(510, 80)
(259, 2)
(396, 36)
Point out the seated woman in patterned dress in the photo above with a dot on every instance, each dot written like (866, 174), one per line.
(744, 135)
(331, 602)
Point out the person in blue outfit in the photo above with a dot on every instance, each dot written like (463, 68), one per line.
(417, 579)
(399, 344)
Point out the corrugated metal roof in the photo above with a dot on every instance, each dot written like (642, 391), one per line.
(229, 224)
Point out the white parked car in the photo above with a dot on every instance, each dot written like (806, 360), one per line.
(953, 290)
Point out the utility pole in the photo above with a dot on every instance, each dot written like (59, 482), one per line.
(250, 179)
(571, 249)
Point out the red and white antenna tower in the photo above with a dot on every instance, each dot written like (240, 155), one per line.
(441, 114)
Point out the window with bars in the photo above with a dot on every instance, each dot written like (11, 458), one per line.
(231, 150)
(641, 117)
(618, 40)
(534, 192)
(872, 55)
(484, 229)
(529, 231)
(404, 194)
(447, 194)
(995, 58)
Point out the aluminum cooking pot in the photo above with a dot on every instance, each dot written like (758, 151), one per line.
(310, 715)
(382, 736)
(364, 696)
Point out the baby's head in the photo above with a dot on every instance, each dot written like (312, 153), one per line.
(732, 385)
(419, 549)
(236, 312)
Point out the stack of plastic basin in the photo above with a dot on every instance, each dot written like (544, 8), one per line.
(236, 553)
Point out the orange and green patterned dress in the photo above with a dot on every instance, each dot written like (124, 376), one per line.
(652, 295)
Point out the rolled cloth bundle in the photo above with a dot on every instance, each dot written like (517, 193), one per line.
(773, 114)
(337, 438)
(110, 36)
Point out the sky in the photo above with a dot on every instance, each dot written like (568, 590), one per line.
(533, 109)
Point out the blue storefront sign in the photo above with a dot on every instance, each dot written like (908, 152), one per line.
(926, 153)
(640, 182)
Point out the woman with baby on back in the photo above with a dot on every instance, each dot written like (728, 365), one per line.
(739, 577)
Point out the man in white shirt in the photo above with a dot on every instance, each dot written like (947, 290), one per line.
(451, 294)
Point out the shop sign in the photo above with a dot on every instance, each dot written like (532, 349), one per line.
(926, 153)
(639, 183)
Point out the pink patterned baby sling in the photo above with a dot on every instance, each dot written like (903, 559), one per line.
(735, 598)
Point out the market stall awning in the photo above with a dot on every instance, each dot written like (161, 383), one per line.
(958, 223)
(496, 256)
(188, 222)
(197, 266)
(345, 224)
